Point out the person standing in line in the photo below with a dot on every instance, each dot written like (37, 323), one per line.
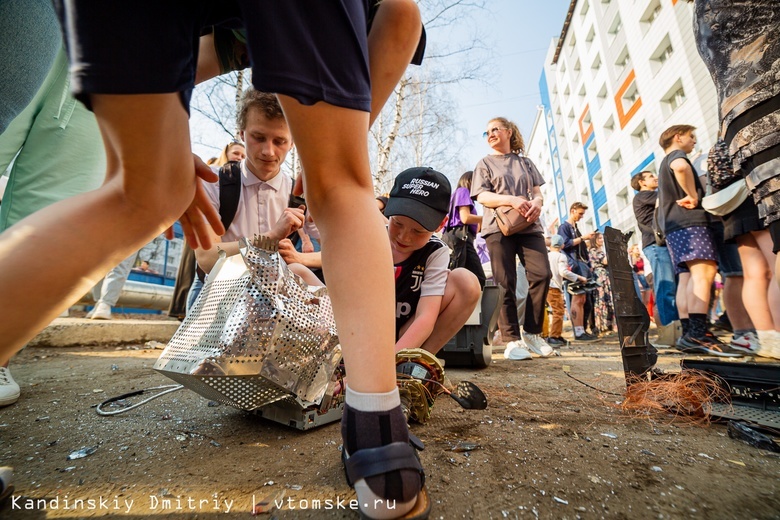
(576, 250)
(664, 285)
(463, 214)
(739, 43)
(507, 177)
(603, 309)
(561, 270)
(689, 239)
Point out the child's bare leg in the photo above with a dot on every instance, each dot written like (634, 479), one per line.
(391, 44)
(460, 297)
(53, 257)
(355, 252)
(356, 255)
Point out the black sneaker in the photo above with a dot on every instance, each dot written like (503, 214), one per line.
(585, 337)
(723, 323)
(707, 345)
(556, 342)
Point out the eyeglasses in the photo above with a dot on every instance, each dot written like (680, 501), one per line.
(492, 131)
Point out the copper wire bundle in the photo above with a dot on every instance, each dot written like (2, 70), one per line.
(687, 396)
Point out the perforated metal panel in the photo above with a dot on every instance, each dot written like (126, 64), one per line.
(256, 334)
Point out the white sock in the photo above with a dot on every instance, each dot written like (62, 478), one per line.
(578, 331)
(366, 402)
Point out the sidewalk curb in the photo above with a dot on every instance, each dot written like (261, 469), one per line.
(75, 332)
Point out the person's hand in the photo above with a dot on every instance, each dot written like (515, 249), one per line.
(587, 236)
(530, 209)
(291, 220)
(200, 215)
(688, 202)
(306, 245)
(582, 279)
(287, 252)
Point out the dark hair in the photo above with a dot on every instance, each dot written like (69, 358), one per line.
(670, 133)
(465, 180)
(636, 179)
(577, 205)
(267, 103)
(593, 238)
(516, 143)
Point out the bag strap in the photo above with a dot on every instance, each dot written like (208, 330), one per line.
(229, 191)
(229, 195)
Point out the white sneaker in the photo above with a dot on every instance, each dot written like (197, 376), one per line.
(774, 344)
(746, 342)
(102, 311)
(765, 343)
(538, 345)
(9, 390)
(516, 351)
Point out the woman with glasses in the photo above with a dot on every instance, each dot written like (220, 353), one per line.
(507, 178)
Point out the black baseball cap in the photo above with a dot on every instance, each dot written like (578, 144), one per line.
(422, 194)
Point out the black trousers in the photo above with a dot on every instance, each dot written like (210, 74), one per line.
(532, 252)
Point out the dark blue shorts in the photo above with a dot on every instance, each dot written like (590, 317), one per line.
(693, 243)
(311, 51)
(729, 263)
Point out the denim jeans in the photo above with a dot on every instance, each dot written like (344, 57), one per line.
(664, 284)
(192, 296)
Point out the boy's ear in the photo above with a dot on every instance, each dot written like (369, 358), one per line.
(443, 223)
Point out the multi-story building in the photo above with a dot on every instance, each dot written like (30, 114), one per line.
(621, 72)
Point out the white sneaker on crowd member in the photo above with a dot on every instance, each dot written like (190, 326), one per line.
(745, 342)
(537, 344)
(9, 390)
(516, 351)
(766, 341)
(102, 311)
(774, 344)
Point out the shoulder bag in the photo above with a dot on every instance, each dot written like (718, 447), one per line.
(510, 220)
(732, 187)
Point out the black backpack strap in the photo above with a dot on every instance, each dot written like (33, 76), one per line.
(229, 191)
(229, 195)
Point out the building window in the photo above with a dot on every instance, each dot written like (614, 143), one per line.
(615, 27)
(622, 199)
(596, 65)
(602, 95)
(640, 135)
(593, 150)
(585, 8)
(609, 126)
(650, 15)
(673, 98)
(598, 181)
(623, 60)
(591, 35)
(616, 160)
(603, 214)
(661, 54)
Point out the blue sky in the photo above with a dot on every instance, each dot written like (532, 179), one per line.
(519, 32)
